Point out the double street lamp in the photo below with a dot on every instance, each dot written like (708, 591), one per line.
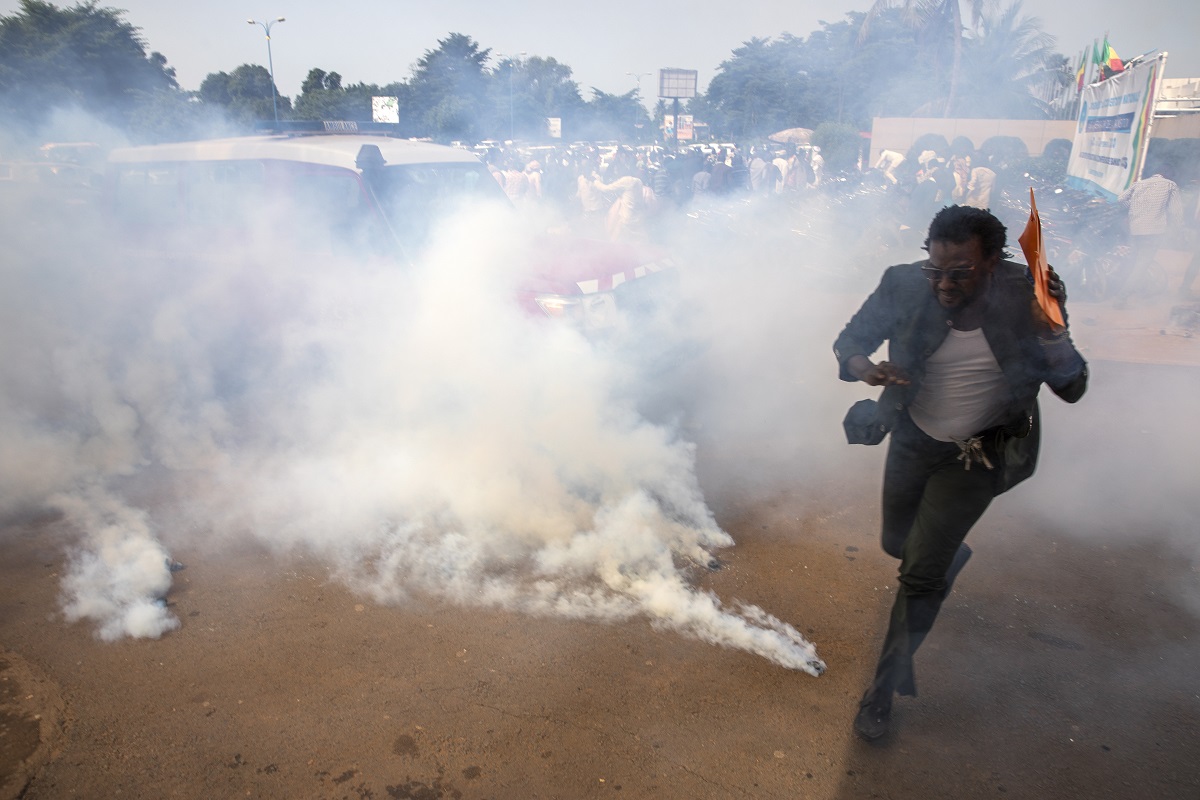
(266, 26)
(637, 76)
(511, 66)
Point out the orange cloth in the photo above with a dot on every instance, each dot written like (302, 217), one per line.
(1035, 256)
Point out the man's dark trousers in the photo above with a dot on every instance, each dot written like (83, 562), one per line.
(930, 502)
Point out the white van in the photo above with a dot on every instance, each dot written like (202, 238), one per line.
(354, 193)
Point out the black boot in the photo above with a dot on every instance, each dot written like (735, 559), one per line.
(874, 715)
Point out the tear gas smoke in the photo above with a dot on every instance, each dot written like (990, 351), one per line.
(411, 427)
(420, 435)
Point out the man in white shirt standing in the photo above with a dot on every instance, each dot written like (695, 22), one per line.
(1154, 207)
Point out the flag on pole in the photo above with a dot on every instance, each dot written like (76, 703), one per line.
(1039, 267)
(1082, 70)
(1112, 62)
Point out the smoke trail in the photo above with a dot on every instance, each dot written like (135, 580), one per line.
(411, 427)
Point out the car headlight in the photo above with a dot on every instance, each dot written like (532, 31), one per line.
(593, 311)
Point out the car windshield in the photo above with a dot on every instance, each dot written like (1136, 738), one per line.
(414, 197)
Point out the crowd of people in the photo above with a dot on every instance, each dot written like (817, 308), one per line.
(622, 193)
(963, 177)
(617, 192)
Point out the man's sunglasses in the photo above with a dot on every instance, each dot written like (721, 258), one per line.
(956, 275)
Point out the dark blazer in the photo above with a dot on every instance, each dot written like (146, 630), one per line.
(904, 312)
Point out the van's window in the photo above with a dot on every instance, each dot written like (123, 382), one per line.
(292, 204)
(223, 193)
(330, 207)
(148, 194)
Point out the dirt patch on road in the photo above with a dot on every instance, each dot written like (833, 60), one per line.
(31, 723)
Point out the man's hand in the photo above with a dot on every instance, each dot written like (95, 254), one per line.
(885, 373)
(1056, 289)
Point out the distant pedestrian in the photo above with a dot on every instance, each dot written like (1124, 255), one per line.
(1154, 207)
(817, 161)
(631, 204)
(979, 188)
(889, 161)
(719, 174)
(781, 166)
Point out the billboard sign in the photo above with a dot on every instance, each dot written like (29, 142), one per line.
(684, 129)
(385, 109)
(1113, 129)
(677, 83)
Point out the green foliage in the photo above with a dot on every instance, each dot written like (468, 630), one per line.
(244, 95)
(320, 80)
(755, 91)
(531, 90)
(612, 116)
(939, 29)
(172, 116)
(1001, 152)
(323, 98)
(1009, 67)
(901, 57)
(448, 88)
(840, 145)
(832, 76)
(84, 56)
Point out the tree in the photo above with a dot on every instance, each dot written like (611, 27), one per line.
(82, 56)
(759, 90)
(541, 88)
(168, 115)
(448, 88)
(320, 80)
(612, 116)
(1008, 66)
(322, 97)
(840, 145)
(939, 28)
(858, 79)
(244, 95)
(829, 77)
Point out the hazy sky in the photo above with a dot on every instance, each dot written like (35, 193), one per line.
(375, 41)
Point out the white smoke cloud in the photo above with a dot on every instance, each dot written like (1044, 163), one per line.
(119, 574)
(410, 426)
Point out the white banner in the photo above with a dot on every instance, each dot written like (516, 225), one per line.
(1112, 130)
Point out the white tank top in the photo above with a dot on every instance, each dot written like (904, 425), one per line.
(964, 390)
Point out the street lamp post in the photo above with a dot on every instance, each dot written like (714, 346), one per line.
(511, 125)
(266, 26)
(637, 76)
